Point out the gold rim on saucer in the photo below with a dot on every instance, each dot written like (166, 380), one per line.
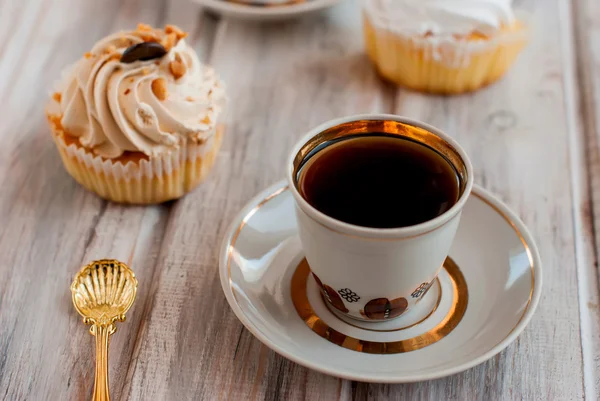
(283, 188)
(460, 299)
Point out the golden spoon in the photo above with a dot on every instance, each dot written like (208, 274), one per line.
(102, 292)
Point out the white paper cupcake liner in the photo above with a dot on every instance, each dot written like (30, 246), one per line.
(140, 181)
(440, 64)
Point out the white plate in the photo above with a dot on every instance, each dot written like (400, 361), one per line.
(257, 11)
(485, 296)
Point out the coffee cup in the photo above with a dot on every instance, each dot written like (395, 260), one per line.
(379, 271)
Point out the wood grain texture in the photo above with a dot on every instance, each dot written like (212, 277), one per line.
(533, 138)
(50, 225)
(586, 31)
(282, 80)
(517, 135)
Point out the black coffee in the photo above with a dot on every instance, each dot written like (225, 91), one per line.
(378, 181)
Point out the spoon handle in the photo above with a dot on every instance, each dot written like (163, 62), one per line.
(101, 332)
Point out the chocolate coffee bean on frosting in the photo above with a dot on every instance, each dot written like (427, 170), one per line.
(143, 52)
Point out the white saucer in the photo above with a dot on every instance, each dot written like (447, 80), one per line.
(258, 10)
(484, 297)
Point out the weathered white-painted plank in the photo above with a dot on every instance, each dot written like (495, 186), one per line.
(517, 133)
(282, 79)
(49, 225)
(586, 29)
(181, 340)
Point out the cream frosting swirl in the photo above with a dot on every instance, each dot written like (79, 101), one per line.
(443, 17)
(148, 106)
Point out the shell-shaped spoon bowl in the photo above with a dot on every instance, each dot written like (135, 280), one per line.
(103, 291)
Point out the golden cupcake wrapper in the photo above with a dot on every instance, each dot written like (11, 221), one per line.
(447, 67)
(155, 180)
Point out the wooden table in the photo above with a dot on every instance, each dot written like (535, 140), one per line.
(533, 139)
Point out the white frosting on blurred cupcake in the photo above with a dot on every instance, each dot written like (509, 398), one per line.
(442, 18)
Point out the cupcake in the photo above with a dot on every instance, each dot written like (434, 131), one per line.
(442, 46)
(138, 119)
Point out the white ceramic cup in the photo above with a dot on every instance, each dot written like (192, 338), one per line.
(371, 273)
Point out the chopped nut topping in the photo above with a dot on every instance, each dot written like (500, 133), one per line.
(88, 55)
(127, 91)
(57, 96)
(174, 29)
(147, 33)
(159, 87)
(144, 28)
(149, 37)
(177, 67)
(205, 120)
(169, 41)
(189, 99)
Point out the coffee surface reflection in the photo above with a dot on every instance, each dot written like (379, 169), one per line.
(378, 181)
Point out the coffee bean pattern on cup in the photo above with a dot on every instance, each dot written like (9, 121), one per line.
(375, 309)
(331, 295)
(383, 308)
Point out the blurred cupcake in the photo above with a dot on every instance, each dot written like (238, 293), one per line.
(442, 46)
(138, 119)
